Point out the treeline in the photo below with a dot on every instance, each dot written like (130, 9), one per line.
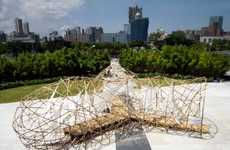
(175, 38)
(15, 48)
(64, 62)
(220, 45)
(183, 60)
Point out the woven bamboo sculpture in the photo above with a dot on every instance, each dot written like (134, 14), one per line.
(85, 113)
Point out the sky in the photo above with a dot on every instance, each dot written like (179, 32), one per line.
(45, 16)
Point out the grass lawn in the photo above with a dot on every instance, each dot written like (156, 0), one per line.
(72, 87)
(44, 91)
(16, 94)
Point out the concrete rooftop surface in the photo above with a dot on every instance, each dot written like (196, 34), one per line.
(217, 109)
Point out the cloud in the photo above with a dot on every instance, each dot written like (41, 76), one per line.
(8, 10)
(39, 11)
(49, 8)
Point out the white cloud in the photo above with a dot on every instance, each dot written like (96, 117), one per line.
(42, 12)
(49, 8)
(8, 11)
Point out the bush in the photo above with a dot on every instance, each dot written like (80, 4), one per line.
(64, 62)
(220, 45)
(183, 60)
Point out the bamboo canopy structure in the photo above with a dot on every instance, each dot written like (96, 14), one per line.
(79, 112)
(121, 116)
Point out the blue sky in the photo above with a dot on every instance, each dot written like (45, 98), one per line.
(45, 16)
(168, 14)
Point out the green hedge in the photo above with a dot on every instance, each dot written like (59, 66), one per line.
(64, 62)
(183, 60)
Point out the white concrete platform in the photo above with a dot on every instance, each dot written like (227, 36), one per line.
(217, 109)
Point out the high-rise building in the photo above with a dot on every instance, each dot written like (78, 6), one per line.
(192, 35)
(26, 28)
(216, 20)
(216, 25)
(94, 34)
(127, 28)
(53, 36)
(2, 36)
(138, 26)
(91, 31)
(204, 31)
(22, 33)
(127, 31)
(98, 34)
(139, 29)
(72, 35)
(18, 26)
(83, 37)
(108, 38)
(120, 37)
(78, 32)
(133, 11)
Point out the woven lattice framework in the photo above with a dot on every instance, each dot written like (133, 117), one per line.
(85, 113)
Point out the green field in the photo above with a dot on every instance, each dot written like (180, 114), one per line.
(72, 87)
(44, 91)
(16, 94)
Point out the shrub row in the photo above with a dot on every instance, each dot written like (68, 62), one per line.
(183, 60)
(64, 62)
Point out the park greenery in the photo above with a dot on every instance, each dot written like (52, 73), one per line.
(45, 90)
(220, 45)
(75, 86)
(176, 38)
(86, 60)
(16, 48)
(23, 70)
(64, 62)
(170, 60)
(22, 63)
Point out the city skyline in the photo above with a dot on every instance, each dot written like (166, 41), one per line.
(111, 15)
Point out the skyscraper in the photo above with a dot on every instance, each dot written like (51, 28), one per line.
(2, 36)
(98, 34)
(26, 28)
(139, 29)
(216, 25)
(127, 28)
(127, 31)
(53, 36)
(137, 24)
(70, 35)
(132, 13)
(91, 31)
(94, 34)
(18, 26)
(73, 35)
(120, 37)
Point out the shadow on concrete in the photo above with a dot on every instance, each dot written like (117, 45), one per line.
(134, 139)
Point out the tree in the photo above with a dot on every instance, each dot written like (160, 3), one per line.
(220, 45)
(137, 44)
(154, 37)
(63, 62)
(178, 38)
(183, 60)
